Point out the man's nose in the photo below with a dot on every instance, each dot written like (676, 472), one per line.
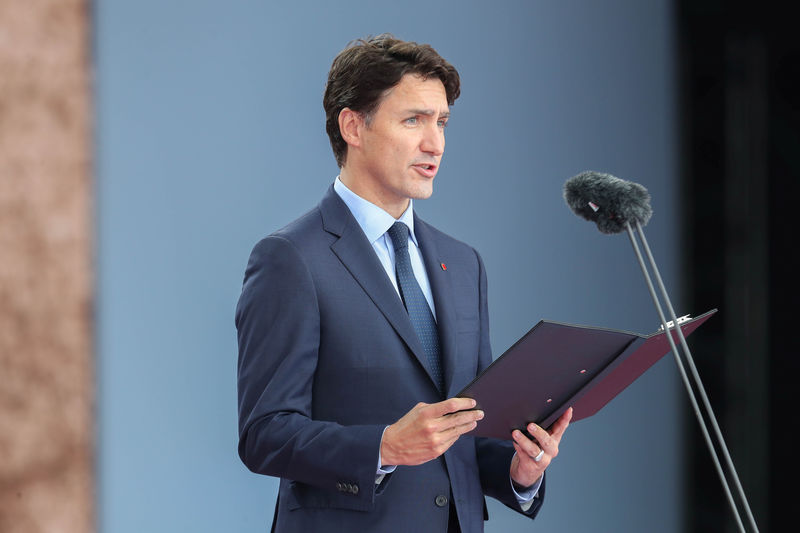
(433, 140)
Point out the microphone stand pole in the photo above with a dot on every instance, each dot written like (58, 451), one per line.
(695, 376)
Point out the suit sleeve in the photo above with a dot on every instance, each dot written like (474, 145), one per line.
(278, 326)
(494, 455)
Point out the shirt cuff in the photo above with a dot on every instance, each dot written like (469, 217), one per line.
(382, 469)
(525, 497)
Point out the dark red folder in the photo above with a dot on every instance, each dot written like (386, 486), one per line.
(555, 366)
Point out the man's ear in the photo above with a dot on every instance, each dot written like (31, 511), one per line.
(350, 125)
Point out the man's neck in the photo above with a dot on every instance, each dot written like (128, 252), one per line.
(362, 188)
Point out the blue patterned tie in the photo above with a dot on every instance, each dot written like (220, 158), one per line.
(417, 306)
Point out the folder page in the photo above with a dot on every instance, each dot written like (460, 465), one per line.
(555, 366)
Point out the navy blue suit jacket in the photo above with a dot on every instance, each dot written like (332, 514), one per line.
(328, 358)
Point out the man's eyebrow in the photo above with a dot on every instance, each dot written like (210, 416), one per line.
(429, 113)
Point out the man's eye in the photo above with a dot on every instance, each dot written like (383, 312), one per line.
(412, 120)
(442, 123)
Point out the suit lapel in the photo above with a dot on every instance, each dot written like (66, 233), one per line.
(443, 299)
(357, 255)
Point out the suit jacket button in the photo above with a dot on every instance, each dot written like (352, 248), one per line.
(339, 486)
(355, 489)
(441, 500)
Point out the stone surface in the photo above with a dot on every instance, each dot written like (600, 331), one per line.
(46, 381)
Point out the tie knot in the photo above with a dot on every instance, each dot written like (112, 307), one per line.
(399, 234)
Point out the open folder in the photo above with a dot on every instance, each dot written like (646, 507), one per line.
(555, 366)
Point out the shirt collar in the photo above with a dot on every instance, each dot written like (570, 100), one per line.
(373, 220)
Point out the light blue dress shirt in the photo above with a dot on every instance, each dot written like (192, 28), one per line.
(375, 222)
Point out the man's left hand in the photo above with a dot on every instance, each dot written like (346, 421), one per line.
(525, 469)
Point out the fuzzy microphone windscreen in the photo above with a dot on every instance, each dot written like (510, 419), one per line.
(608, 201)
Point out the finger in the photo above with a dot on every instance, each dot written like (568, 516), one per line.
(452, 426)
(460, 422)
(450, 435)
(561, 425)
(451, 405)
(447, 422)
(542, 437)
(462, 417)
(528, 447)
(526, 455)
(456, 431)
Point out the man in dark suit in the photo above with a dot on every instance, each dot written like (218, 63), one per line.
(358, 321)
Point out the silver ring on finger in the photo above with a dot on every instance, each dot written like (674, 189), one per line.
(539, 456)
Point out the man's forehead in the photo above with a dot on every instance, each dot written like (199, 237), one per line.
(425, 96)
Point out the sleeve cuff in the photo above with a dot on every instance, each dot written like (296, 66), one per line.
(382, 470)
(526, 496)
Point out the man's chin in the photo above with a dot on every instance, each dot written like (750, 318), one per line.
(422, 191)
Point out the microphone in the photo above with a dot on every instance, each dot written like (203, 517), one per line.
(616, 205)
(608, 201)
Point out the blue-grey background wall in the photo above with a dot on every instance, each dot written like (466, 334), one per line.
(210, 134)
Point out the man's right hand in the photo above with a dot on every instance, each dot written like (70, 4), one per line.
(427, 431)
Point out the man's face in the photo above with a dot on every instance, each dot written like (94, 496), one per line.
(402, 144)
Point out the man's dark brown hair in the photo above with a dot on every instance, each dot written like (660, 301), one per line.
(362, 73)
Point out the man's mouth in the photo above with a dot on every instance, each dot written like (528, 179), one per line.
(426, 169)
